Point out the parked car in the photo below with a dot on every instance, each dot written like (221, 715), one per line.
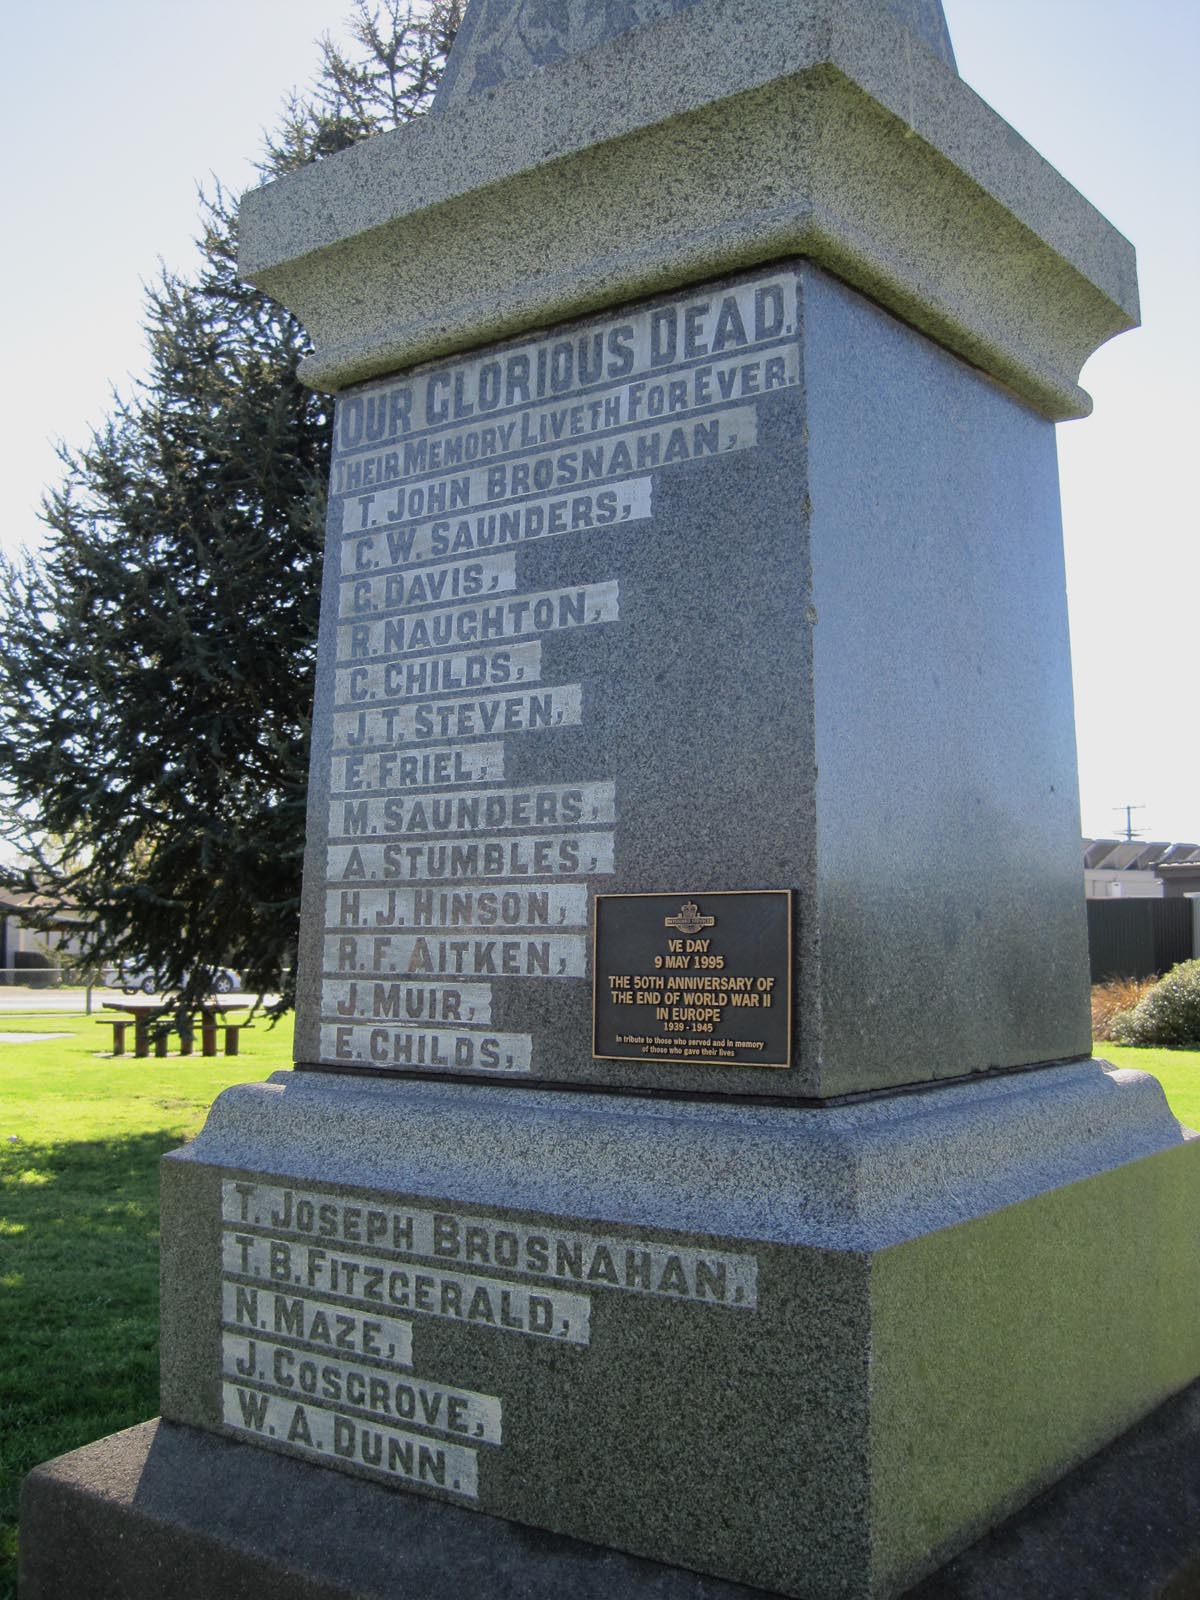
(132, 979)
(141, 980)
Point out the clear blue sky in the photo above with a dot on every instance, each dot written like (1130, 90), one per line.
(115, 113)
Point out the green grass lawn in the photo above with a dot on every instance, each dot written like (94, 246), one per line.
(80, 1139)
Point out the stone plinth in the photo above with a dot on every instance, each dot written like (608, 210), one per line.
(163, 1508)
(814, 1351)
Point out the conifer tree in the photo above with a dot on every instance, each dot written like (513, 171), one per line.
(156, 673)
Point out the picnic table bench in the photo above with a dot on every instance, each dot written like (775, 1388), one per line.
(154, 1020)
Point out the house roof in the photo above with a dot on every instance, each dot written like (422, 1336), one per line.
(17, 902)
(1136, 855)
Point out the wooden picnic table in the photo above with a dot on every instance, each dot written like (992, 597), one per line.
(148, 1012)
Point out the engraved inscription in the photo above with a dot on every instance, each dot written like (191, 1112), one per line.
(459, 725)
(317, 1322)
(703, 978)
(552, 806)
(427, 1050)
(399, 591)
(565, 1254)
(506, 905)
(326, 1298)
(320, 1433)
(429, 675)
(536, 519)
(424, 769)
(362, 1388)
(559, 855)
(552, 611)
(558, 955)
(461, 717)
(410, 1001)
(365, 1280)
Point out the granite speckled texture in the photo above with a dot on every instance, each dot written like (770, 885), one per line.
(162, 1509)
(743, 132)
(948, 900)
(912, 1253)
(856, 1177)
(819, 1349)
(502, 40)
(841, 667)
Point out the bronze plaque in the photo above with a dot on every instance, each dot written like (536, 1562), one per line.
(694, 979)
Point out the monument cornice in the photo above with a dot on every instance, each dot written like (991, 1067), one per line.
(839, 137)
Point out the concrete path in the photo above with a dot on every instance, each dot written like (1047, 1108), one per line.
(38, 1002)
(19, 999)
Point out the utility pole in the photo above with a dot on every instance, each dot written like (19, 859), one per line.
(1131, 832)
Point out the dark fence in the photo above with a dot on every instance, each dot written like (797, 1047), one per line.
(35, 970)
(1137, 938)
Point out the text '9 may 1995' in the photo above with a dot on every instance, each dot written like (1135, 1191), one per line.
(445, 879)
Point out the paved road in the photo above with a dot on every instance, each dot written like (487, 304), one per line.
(16, 999)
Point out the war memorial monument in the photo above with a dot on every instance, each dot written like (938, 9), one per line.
(695, 1180)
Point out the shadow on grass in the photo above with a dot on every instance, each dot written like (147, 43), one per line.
(79, 1287)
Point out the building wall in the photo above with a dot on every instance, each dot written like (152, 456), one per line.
(1100, 884)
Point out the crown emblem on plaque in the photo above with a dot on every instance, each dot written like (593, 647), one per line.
(689, 919)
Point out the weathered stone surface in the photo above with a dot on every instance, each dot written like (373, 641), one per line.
(501, 40)
(1124, 1526)
(163, 1509)
(817, 1300)
(824, 649)
(762, 1333)
(864, 1176)
(739, 134)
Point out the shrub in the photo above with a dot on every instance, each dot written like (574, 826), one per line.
(1110, 999)
(1168, 1014)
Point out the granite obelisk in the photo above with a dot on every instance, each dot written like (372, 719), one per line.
(695, 1148)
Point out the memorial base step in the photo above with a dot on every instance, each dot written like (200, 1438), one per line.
(164, 1510)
